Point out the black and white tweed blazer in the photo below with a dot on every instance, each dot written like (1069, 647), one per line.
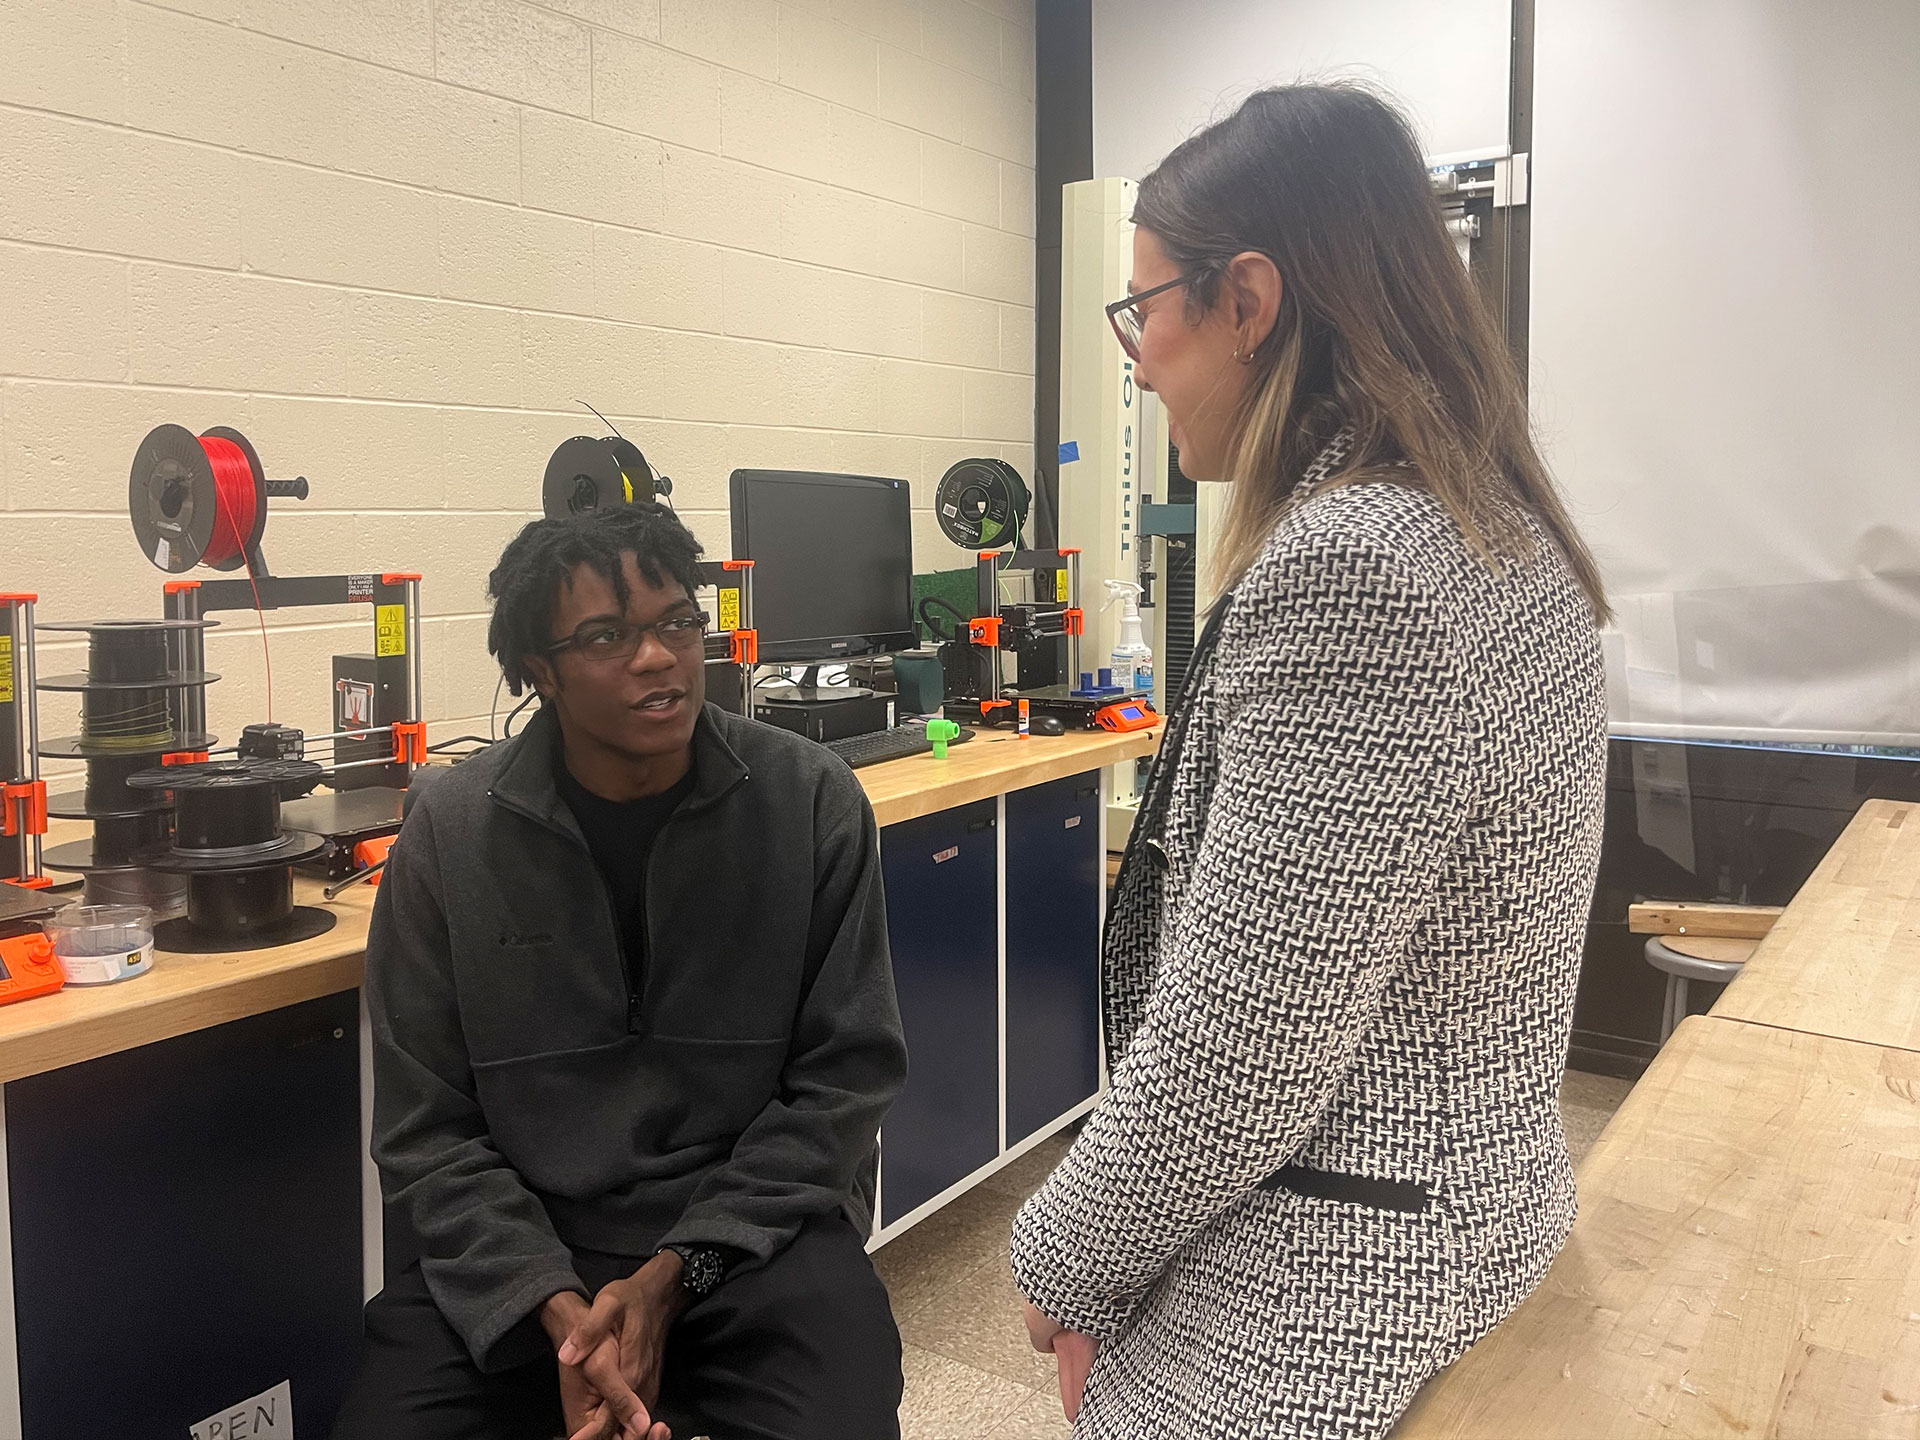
(1343, 949)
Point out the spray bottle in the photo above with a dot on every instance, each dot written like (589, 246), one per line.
(1132, 660)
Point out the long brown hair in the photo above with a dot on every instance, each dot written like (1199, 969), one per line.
(1380, 329)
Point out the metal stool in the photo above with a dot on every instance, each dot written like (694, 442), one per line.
(1694, 957)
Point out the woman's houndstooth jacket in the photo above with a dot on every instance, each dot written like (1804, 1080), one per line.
(1339, 976)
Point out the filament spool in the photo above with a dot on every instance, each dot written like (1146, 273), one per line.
(982, 504)
(126, 726)
(197, 498)
(123, 691)
(586, 475)
(237, 860)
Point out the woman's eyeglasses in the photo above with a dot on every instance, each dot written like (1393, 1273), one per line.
(619, 642)
(1126, 318)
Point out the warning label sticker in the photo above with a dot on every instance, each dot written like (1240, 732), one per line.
(729, 608)
(6, 669)
(390, 630)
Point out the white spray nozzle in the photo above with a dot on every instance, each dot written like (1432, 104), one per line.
(1122, 590)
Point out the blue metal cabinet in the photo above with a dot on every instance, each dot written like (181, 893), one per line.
(186, 1226)
(942, 924)
(1054, 875)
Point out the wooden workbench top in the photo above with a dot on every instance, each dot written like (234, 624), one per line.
(1844, 960)
(993, 762)
(1746, 1262)
(183, 993)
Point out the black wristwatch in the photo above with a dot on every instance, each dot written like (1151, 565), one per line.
(701, 1269)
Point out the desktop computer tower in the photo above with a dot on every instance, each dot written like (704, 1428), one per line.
(825, 719)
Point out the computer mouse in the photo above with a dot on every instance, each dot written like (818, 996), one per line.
(1047, 725)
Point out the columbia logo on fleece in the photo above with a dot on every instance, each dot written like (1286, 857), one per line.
(514, 940)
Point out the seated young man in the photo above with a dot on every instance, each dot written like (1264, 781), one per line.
(634, 1033)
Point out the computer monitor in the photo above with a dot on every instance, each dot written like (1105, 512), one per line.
(832, 562)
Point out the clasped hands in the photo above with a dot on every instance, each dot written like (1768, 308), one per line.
(1072, 1352)
(610, 1352)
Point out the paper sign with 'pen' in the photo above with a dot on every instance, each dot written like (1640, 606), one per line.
(267, 1416)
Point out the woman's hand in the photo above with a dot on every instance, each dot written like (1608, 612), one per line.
(1073, 1354)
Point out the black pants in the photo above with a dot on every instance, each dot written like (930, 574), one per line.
(801, 1348)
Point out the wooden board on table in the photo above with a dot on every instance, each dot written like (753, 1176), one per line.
(1687, 917)
(1746, 1262)
(1844, 960)
(993, 762)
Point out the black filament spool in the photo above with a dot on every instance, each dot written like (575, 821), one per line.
(227, 840)
(227, 814)
(126, 714)
(242, 903)
(127, 653)
(586, 475)
(242, 910)
(106, 791)
(226, 817)
(108, 716)
(118, 838)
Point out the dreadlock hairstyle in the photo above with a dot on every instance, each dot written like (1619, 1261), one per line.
(537, 561)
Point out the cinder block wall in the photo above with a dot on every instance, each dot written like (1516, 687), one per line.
(395, 242)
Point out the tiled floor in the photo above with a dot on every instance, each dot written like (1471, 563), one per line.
(969, 1369)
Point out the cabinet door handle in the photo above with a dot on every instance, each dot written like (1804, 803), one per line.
(974, 827)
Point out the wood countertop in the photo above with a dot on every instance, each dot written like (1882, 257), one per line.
(1844, 960)
(1746, 1262)
(1747, 1257)
(183, 993)
(993, 762)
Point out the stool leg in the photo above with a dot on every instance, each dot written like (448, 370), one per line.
(1667, 1021)
(1679, 1000)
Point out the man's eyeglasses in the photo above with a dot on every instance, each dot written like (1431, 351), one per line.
(1126, 319)
(609, 641)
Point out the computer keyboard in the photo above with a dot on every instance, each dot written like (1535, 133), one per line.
(894, 744)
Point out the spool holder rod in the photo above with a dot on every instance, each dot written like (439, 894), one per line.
(745, 640)
(415, 708)
(753, 649)
(32, 708)
(1073, 634)
(187, 652)
(24, 764)
(987, 595)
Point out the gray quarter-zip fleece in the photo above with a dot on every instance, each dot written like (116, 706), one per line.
(526, 1102)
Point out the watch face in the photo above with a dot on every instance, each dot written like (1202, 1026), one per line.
(702, 1270)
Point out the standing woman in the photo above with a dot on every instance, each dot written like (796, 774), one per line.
(1340, 966)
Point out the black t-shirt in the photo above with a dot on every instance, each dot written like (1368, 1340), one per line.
(620, 835)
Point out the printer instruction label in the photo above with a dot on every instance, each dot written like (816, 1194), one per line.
(389, 630)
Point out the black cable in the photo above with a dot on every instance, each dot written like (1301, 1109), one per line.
(947, 605)
(479, 740)
(507, 727)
